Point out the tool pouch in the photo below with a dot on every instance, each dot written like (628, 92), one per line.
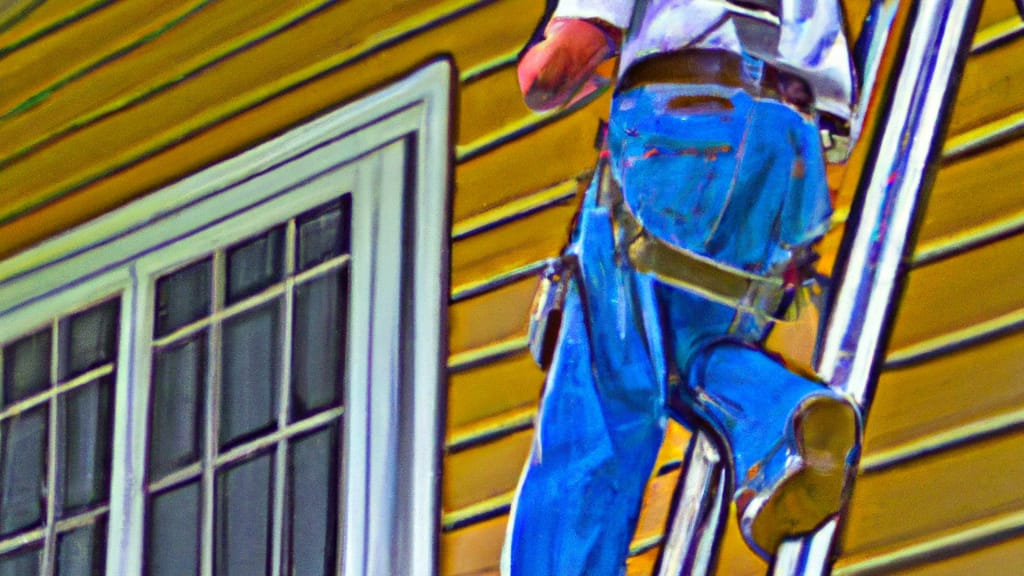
(548, 304)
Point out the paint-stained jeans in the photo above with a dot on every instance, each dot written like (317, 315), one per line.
(742, 183)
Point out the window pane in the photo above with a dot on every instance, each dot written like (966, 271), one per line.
(255, 265)
(26, 366)
(84, 448)
(88, 339)
(318, 346)
(243, 518)
(172, 532)
(250, 371)
(24, 471)
(324, 233)
(313, 518)
(83, 551)
(183, 297)
(20, 563)
(179, 373)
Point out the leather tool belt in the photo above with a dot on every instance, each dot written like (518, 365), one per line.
(699, 67)
(681, 268)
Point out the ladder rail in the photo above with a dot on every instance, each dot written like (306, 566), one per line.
(864, 301)
(691, 543)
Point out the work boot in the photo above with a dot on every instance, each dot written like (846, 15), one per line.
(791, 441)
(799, 492)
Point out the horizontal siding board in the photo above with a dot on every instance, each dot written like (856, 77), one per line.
(995, 11)
(965, 386)
(973, 192)
(992, 86)
(535, 237)
(673, 446)
(474, 550)
(924, 497)
(947, 544)
(46, 17)
(959, 292)
(30, 74)
(170, 58)
(490, 390)
(524, 166)
(490, 103)
(131, 155)
(657, 499)
(1002, 558)
(13, 12)
(643, 564)
(481, 472)
(497, 315)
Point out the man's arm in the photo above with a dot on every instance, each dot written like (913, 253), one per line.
(581, 34)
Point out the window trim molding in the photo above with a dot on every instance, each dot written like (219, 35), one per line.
(114, 253)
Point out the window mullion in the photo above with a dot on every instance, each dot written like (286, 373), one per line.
(281, 458)
(211, 412)
(131, 396)
(49, 544)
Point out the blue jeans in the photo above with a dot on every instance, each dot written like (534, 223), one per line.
(743, 185)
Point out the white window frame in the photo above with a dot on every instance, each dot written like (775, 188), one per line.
(392, 150)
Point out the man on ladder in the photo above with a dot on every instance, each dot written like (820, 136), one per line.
(699, 222)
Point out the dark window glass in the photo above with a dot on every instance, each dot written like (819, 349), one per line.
(318, 345)
(176, 405)
(23, 472)
(183, 297)
(243, 518)
(83, 456)
(255, 265)
(249, 376)
(88, 339)
(313, 497)
(82, 552)
(172, 532)
(26, 366)
(323, 233)
(21, 563)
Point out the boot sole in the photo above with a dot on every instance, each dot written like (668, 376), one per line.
(826, 431)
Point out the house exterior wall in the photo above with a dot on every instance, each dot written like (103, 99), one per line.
(103, 102)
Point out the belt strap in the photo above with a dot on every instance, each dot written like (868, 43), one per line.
(717, 67)
(684, 269)
(693, 272)
(700, 67)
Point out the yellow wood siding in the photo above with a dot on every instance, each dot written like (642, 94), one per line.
(208, 87)
(504, 386)
(1000, 558)
(955, 389)
(102, 102)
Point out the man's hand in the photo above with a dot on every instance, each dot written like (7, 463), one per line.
(553, 72)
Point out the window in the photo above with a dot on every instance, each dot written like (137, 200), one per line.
(239, 374)
(245, 401)
(55, 432)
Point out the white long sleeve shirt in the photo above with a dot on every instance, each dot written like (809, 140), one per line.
(811, 44)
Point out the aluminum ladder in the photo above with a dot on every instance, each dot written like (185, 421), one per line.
(937, 35)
